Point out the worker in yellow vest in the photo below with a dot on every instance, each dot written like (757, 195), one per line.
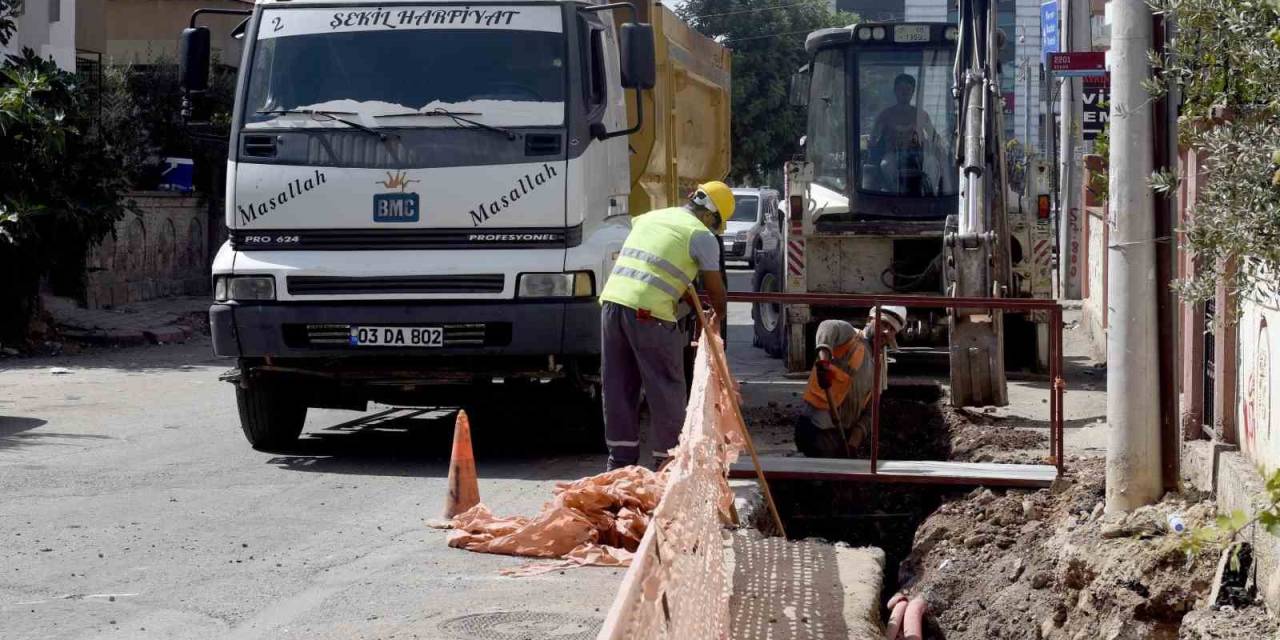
(642, 347)
(836, 418)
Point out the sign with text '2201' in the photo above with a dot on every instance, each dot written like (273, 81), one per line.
(1078, 63)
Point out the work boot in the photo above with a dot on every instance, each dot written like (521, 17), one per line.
(613, 464)
(659, 462)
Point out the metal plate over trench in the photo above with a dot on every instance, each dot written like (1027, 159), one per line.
(900, 471)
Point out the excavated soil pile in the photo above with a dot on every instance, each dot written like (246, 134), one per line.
(982, 437)
(1046, 565)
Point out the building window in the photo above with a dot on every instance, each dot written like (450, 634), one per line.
(55, 10)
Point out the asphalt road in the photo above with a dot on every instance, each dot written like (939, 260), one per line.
(132, 507)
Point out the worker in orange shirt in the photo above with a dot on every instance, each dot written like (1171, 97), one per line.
(836, 418)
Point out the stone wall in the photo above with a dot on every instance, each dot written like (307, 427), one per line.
(1096, 236)
(161, 252)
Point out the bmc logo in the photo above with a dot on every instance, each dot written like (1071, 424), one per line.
(395, 207)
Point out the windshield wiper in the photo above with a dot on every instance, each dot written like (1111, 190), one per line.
(457, 117)
(326, 115)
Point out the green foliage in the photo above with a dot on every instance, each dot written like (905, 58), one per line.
(62, 184)
(1227, 528)
(1237, 214)
(144, 105)
(767, 40)
(1100, 182)
(1225, 61)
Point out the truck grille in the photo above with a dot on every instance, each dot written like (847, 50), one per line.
(475, 334)
(331, 285)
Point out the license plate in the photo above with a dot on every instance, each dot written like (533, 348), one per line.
(397, 336)
(911, 33)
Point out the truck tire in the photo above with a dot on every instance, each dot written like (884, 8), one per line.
(767, 319)
(270, 416)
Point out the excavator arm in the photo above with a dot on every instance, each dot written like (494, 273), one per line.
(976, 245)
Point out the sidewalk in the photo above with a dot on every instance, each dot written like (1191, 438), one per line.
(162, 321)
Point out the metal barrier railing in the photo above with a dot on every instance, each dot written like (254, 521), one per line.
(1057, 384)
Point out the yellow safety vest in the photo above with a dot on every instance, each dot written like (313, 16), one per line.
(654, 268)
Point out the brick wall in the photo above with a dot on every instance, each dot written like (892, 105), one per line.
(161, 252)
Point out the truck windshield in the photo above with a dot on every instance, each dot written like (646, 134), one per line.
(906, 122)
(499, 65)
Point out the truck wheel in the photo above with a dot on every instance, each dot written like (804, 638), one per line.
(766, 318)
(270, 416)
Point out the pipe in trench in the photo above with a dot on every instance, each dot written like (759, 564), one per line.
(913, 623)
(894, 628)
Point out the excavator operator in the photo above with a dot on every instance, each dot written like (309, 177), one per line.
(900, 141)
(835, 420)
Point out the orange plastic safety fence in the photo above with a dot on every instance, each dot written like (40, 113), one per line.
(677, 586)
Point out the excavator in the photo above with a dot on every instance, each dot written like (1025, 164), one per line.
(903, 189)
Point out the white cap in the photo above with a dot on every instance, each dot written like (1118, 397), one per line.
(893, 315)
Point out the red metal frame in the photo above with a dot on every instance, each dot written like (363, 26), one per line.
(1057, 384)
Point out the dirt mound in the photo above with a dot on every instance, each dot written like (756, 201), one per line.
(1047, 564)
(981, 437)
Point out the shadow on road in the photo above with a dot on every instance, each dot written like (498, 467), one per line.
(15, 432)
(417, 442)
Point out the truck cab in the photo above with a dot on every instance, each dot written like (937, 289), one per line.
(422, 202)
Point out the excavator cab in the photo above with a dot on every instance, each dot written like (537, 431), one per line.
(882, 124)
(902, 188)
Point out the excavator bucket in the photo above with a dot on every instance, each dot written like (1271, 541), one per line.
(976, 334)
(977, 361)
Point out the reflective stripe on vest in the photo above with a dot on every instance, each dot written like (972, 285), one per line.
(654, 267)
(647, 278)
(657, 261)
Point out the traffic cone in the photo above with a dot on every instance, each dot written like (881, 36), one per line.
(464, 490)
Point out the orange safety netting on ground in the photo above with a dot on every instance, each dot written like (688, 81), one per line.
(667, 527)
(597, 521)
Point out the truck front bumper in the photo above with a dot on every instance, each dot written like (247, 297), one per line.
(322, 330)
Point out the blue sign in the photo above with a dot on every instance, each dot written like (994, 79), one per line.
(1049, 29)
(395, 207)
(177, 175)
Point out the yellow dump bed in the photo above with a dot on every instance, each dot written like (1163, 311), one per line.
(685, 137)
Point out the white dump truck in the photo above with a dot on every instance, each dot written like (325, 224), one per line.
(423, 199)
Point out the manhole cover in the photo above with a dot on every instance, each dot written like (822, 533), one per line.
(521, 625)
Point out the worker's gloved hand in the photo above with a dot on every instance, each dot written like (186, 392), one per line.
(822, 370)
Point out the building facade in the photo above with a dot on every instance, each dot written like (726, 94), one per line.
(47, 27)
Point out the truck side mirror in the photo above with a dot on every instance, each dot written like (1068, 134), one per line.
(799, 89)
(639, 71)
(193, 59)
(639, 66)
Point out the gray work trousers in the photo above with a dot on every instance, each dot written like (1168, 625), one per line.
(634, 353)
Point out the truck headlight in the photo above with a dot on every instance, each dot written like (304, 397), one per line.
(575, 284)
(244, 288)
(742, 236)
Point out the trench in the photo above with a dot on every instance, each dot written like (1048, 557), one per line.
(876, 514)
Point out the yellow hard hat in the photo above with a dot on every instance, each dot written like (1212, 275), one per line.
(715, 196)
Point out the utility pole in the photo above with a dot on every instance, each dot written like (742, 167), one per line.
(1133, 389)
(1075, 36)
